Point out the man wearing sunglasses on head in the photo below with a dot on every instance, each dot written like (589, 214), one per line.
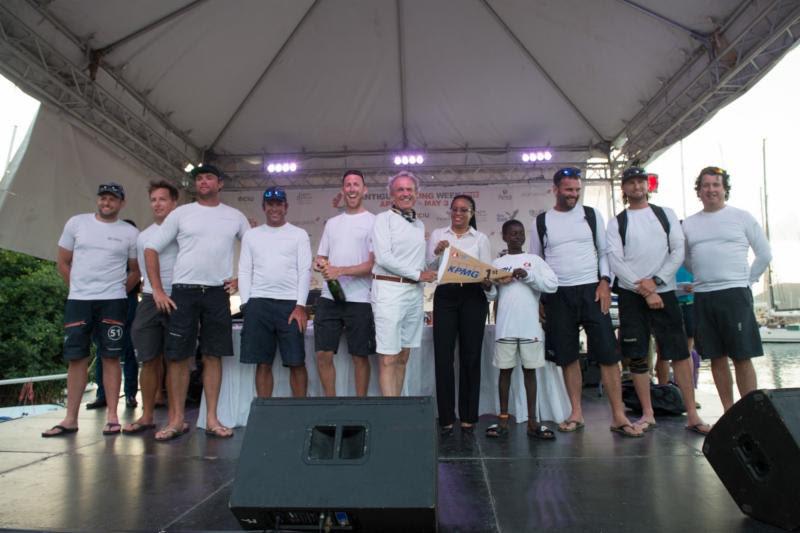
(94, 252)
(274, 276)
(718, 240)
(571, 238)
(206, 231)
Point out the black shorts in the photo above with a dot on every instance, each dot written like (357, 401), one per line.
(100, 320)
(355, 318)
(266, 328)
(687, 310)
(567, 310)
(209, 309)
(149, 331)
(637, 321)
(725, 324)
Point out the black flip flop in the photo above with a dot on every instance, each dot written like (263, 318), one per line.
(111, 428)
(542, 432)
(495, 431)
(61, 431)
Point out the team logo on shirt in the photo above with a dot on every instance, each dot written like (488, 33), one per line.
(114, 333)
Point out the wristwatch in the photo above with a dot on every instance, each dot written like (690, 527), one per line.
(606, 279)
(658, 281)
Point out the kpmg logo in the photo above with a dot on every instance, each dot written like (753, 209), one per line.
(246, 199)
(504, 195)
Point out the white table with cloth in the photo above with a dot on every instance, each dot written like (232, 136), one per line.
(238, 381)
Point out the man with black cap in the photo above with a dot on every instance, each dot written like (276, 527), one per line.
(571, 238)
(206, 231)
(646, 248)
(94, 252)
(274, 276)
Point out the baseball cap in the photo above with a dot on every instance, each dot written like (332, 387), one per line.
(112, 188)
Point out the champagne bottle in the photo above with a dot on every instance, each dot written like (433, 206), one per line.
(336, 289)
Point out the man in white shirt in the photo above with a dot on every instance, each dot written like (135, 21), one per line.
(274, 276)
(398, 240)
(718, 240)
(646, 248)
(94, 252)
(206, 231)
(149, 330)
(345, 257)
(571, 238)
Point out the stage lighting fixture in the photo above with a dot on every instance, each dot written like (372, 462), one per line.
(188, 168)
(408, 159)
(282, 167)
(536, 156)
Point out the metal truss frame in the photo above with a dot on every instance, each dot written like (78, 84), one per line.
(744, 48)
(439, 176)
(50, 76)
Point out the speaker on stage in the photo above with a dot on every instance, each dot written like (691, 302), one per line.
(755, 451)
(338, 464)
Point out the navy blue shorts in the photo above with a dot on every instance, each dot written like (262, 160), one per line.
(103, 320)
(568, 309)
(207, 309)
(725, 324)
(354, 318)
(266, 328)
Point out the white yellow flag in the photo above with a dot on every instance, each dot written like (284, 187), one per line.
(459, 267)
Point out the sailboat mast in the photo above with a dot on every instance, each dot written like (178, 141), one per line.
(770, 288)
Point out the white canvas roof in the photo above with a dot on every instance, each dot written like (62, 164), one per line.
(338, 83)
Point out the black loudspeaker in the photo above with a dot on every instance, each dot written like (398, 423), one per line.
(338, 464)
(755, 451)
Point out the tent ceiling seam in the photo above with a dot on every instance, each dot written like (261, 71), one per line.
(541, 69)
(401, 65)
(263, 75)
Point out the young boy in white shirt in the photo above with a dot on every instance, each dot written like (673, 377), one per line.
(517, 331)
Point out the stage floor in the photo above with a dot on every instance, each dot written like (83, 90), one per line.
(591, 480)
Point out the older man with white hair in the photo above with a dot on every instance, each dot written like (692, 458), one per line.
(398, 240)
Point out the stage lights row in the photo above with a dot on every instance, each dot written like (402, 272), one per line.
(535, 157)
(282, 167)
(408, 159)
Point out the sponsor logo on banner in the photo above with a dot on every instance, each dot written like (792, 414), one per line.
(507, 215)
(505, 195)
(247, 199)
(305, 198)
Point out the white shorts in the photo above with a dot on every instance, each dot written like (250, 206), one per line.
(397, 308)
(506, 352)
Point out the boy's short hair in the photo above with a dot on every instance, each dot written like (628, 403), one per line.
(508, 223)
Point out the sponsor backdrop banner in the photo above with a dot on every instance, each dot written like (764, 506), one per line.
(310, 208)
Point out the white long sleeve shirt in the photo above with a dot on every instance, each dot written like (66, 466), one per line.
(275, 263)
(569, 249)
(645, 253)
(518, 301)
(399, 246)
(717, 245)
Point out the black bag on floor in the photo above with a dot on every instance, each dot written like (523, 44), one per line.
(667, 399)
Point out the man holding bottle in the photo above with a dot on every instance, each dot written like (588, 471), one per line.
(345, 260)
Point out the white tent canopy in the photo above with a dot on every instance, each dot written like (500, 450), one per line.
(336, 83)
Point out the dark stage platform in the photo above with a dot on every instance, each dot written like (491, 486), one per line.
(591, 480)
